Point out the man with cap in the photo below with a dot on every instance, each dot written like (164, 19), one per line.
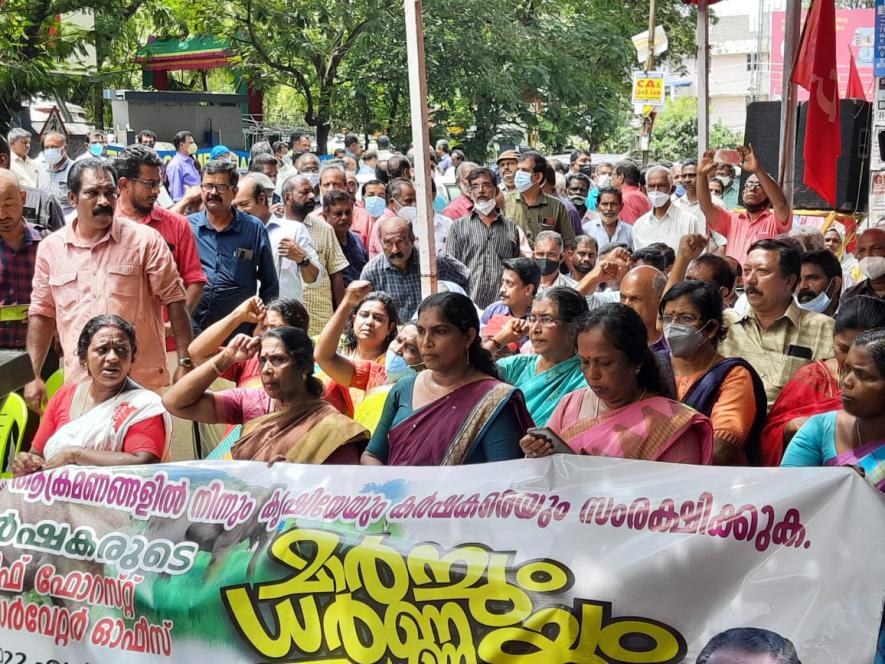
(507, 161)
(223, 153)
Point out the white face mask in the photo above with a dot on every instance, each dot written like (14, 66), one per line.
(604, 180)
(484, 207)
(658, 198)
(872, 267)
(313, 178)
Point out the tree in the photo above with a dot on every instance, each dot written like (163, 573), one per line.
(675, 134)
(32, 44)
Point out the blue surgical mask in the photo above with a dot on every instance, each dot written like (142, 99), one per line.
(818, 305)
(374, 205)
(52, 155)
(96, 149)
(680, 190)
(396, 367)
(522, 181)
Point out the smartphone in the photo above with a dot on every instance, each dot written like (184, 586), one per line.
(727, 157)
(559, 445)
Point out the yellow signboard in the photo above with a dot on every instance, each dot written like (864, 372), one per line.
(648, 88)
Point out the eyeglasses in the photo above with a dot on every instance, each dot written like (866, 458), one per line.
(150, 184)
(682, 319)
(752, 186)
(487, 186)
(220, 188)
(545, 321)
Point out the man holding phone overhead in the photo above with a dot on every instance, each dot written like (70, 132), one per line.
(767, 212)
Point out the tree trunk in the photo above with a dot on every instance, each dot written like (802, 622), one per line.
(323, 128)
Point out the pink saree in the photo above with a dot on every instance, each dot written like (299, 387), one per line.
(654, 429)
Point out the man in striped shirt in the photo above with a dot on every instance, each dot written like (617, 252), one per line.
(483, 239)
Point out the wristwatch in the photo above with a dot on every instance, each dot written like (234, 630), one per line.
(305, 262)
(186, 362)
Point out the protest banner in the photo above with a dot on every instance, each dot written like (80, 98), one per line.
(544, 561)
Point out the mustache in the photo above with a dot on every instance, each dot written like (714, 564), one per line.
(214, 197)
(397, 254)
(102, 209)
(750, 289)
(806, 293)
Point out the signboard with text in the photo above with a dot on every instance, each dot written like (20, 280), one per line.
(648, 88)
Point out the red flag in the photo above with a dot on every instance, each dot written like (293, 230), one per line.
(855, 87)
(815, 71)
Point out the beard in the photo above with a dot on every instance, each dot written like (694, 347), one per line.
(753, 208)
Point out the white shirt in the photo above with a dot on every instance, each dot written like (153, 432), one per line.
(561, 280)
(675, 223)
(279, 228)
(716, 240)
(24, 169)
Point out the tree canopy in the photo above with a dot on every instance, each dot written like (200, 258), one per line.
(555, 70)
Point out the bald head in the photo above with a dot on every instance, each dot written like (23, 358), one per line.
(12, 202)
(871, 243)
(397, 241)
(252, 196)
(641, 290)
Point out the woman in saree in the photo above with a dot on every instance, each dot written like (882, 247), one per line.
(623, 413)
(555, 371)
(727, 390)
(834, 240)
(109, 420)
(853, 435)
(366, 379)
(815, 388)
(286, 419)
(456, 411)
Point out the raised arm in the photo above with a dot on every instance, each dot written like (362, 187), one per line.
(710, 210)
(604, 270)
(206, 345)
(771, 188)
(190, 398)
(690, 247)
(337, 367)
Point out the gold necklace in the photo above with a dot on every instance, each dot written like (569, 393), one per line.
(434, 394)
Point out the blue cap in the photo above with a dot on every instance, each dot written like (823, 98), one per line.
(219, 150)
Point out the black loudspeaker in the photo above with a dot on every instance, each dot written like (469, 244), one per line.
(853, 181)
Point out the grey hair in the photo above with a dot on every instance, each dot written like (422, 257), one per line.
(550, 235)
(658, 168)
(17, 134)
(333, 164)
(465, 168)
(293, 181)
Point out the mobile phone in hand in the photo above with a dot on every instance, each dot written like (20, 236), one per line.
(559, 445)
(727, 157)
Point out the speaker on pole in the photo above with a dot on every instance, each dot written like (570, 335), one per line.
(763, 124)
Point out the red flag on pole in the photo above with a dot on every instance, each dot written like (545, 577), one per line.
(855, 87)
(815, 70)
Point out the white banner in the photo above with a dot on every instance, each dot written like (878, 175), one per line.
(547, 561)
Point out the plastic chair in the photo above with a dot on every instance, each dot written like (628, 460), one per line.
(54, 383)
(13, 414)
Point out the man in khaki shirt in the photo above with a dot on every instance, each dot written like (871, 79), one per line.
(776, 336)
(530, 208)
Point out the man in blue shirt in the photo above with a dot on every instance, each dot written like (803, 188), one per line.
(234, 249)
(181, 171)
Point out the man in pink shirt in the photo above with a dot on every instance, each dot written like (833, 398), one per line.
(139, 171)
(102, 265)
(626, 178)
(759, 222)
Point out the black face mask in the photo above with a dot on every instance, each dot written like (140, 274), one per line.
(547, 266)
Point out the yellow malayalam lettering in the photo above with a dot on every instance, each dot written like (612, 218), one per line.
(368, 602)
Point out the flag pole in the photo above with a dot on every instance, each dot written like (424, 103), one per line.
(789, 99)
(420, 144)
(703, 78)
